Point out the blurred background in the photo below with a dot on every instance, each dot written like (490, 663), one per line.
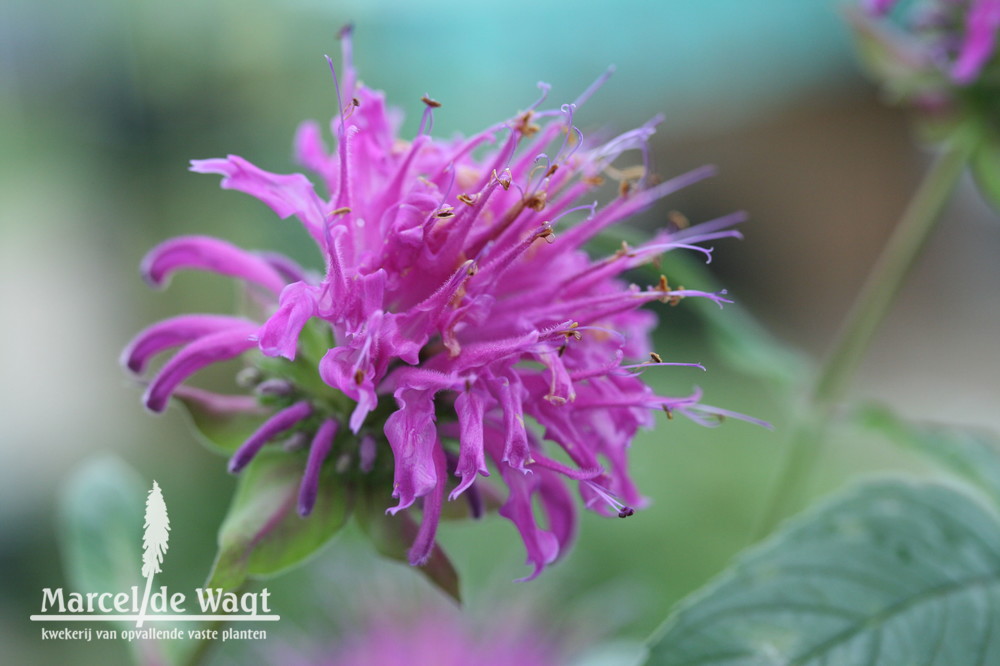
(102, 104)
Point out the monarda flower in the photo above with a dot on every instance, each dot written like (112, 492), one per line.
(458, 321)
(960, 35)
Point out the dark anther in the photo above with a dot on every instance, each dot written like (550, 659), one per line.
(626, 512)
(536, 201)
(656, 357)
(359, 377)
(504, 182)
(433, 103)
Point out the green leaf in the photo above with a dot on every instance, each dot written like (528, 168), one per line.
(973, 455)
(891, 572)
(100, 526)
(100, 532)
(392, 537)
(263, 534)
(985, 165)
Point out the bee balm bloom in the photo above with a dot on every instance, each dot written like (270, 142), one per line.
(458, 322)
(959, 36)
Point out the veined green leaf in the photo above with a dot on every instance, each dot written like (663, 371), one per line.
(891, 572)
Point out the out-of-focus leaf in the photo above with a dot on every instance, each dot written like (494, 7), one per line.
(100, 526)
(263, 534)
(100, 532)
(986, 169)
(221, 430)
(891, 573)
(392, 536)
(734, 333)
(973, 455)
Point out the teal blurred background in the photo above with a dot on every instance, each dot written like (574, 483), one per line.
(103, 103)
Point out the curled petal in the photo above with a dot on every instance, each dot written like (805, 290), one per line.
(318, 451)
(542, 545)
(209, 349)
(982, 24)
(471, 458)
(560, 509)
(280, 334)
(411, 434)
(423, 545)
(287, 267)
(286, 195)
(277, 424)
(510, 395)
(220, 404)
(172, 332)
(350, 370)
(208, 254)
(310, 150)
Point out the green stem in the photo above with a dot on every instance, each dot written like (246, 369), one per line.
(872, 304)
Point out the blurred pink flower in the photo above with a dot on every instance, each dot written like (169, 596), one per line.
(962, 34)
(435, 637)
(457, 304)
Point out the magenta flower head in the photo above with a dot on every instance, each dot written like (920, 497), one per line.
(955, 37)
(458, 322)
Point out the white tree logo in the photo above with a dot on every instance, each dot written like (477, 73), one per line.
(154, 542)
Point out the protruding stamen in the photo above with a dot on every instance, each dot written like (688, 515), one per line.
(427, 121)
(623, 510)
(524, 124)
(504, 179)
